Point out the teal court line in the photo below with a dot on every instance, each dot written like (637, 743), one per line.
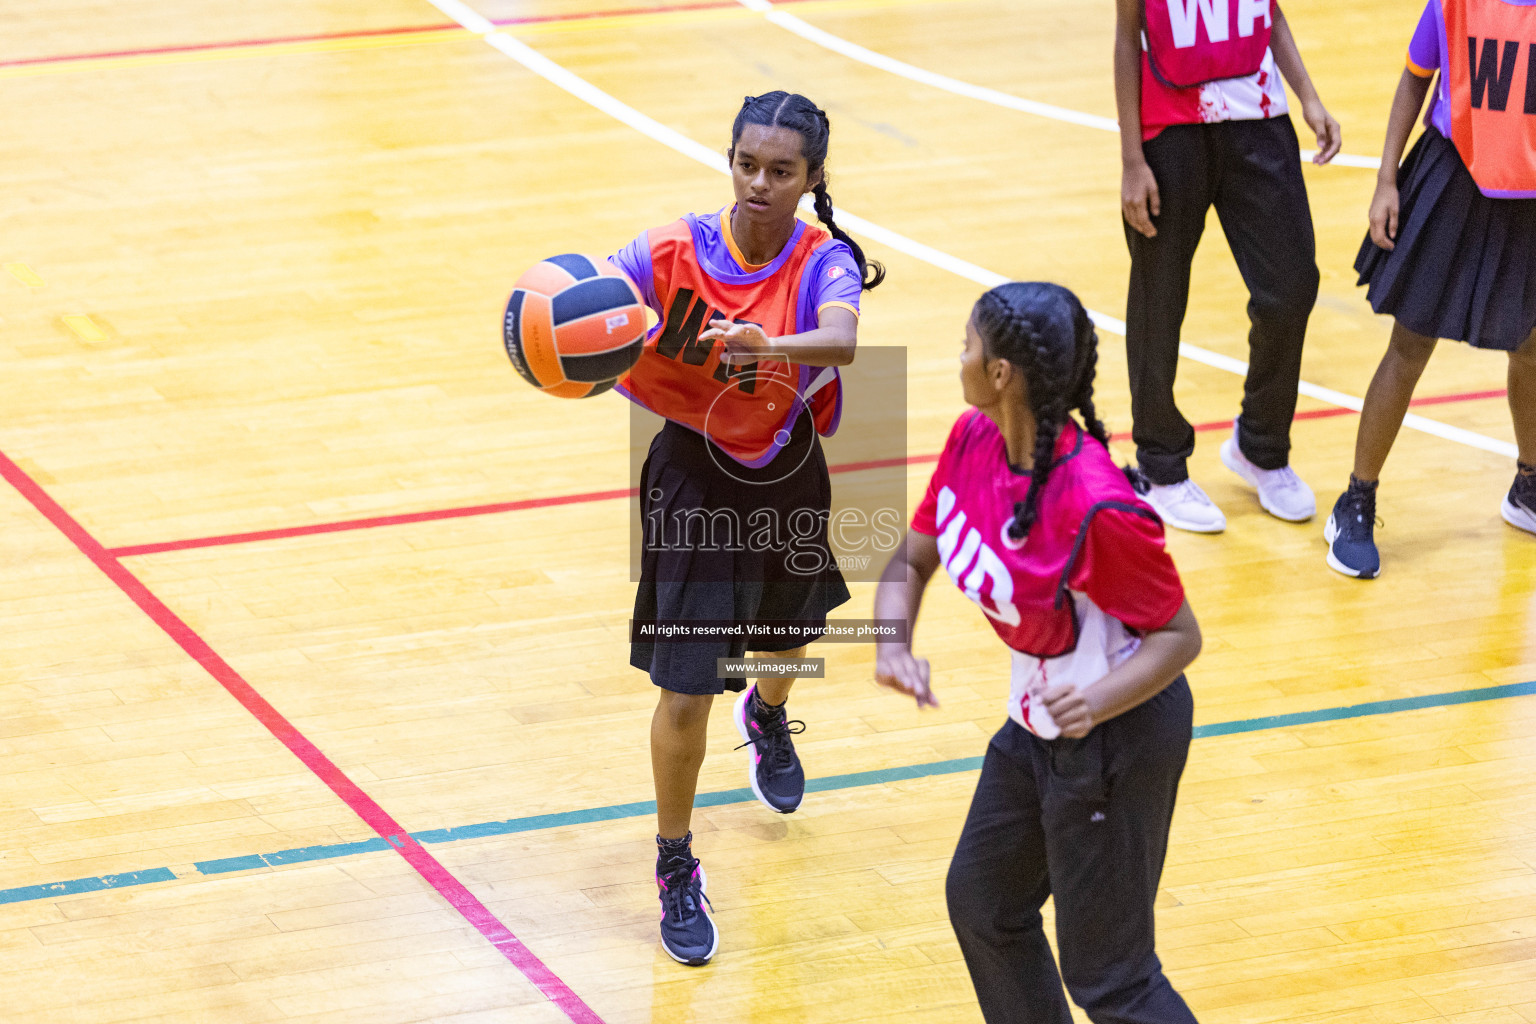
(613, 812)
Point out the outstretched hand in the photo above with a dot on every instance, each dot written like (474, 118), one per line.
(743, 343)
(896, 669)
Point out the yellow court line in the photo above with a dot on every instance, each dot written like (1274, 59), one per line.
(25, 274)
(344, 44)
(84, 327)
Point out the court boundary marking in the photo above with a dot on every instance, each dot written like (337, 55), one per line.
(551, 501)
(95, 56)
(615, 812)
(563, 78)
(402, 35)
(391, 835)
(362, 39)
(873, 58)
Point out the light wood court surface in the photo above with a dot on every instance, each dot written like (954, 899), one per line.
(255, 256)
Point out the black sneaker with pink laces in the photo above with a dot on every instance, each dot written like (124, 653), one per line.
(773, 766)
(687, 932)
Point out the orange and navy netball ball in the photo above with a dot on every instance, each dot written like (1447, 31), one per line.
(574, 325)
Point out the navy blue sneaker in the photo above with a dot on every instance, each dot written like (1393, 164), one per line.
(773, 767)
(1351, 533)
(687, 932)
(1519, 507)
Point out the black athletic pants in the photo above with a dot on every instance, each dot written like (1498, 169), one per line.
(1085, 821)
(1251, 172)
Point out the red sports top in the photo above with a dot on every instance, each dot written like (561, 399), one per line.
(690, 273)
(1072, 599)
(1191, 42)
(1204, 61)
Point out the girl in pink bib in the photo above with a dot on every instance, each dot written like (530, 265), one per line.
(1034, 523)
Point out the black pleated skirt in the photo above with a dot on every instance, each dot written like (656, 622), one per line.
(706, 555)
(1464, 267)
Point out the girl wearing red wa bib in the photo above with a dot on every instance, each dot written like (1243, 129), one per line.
(757, 310)
(1032, 520)
(1451, 251)
(1203, 123)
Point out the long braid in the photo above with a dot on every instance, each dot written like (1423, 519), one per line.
(781, 109)
(1019, 331)
(872, 272)
(1048, 400)
(1044, 330)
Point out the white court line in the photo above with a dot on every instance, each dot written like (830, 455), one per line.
(854, 51)
(623, 112)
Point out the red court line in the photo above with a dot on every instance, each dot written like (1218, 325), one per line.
(233, 44)
(368, 524)
(437, 876)
(1308, 414)
(1469, 396)
(402, 519)
(245, 44)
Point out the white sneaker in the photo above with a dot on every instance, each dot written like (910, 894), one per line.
(1281, 492)
(1186, 506)
(1518, 516)
(1519, 507)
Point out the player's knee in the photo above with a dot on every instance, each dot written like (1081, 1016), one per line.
(1089, 994)
(798, 652)
(1410, 348)
(1525, 356)
(970, 899)
(1287, 302)
(1103, 990)
(1304, 295)
(684, 712)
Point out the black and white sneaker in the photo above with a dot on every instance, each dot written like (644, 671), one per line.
(687, 932)
(772, 764)
(1519, 508)
(1351, 533)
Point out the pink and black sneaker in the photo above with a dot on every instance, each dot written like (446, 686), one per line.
(773, 766)
(687, 932)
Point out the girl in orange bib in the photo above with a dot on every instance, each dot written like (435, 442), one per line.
(758, 309)
(1451, 251)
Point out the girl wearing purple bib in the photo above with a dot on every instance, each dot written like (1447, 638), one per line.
(1033, 521)
(1451, 251)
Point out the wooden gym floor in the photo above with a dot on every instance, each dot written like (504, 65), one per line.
(256, 766)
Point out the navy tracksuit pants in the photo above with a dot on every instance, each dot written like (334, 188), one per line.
(1085, 821)
(1250, 171)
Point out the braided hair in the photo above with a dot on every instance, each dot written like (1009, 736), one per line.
(781, 109)
(1044, 331)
